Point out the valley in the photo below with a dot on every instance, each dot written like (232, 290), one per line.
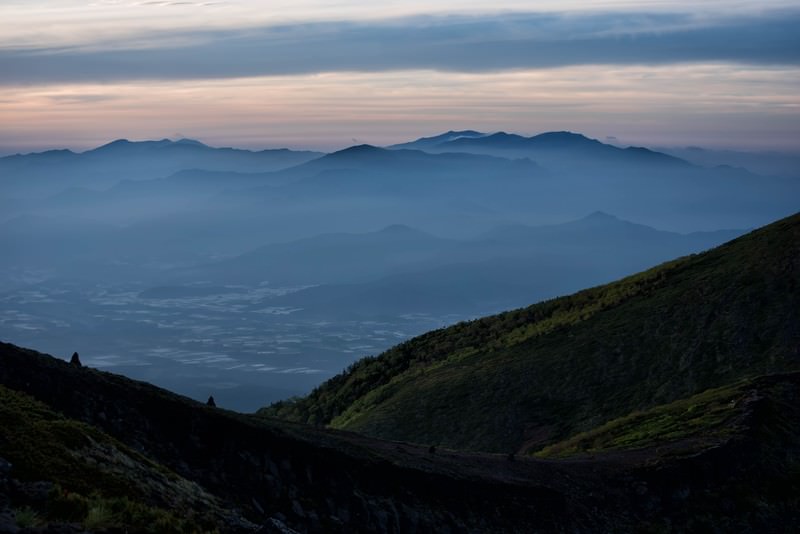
(233, 345)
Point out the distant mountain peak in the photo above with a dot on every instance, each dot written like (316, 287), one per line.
(356, 153)
(563, 138)
(601, 216)
(464, 132)
(116, 142)
(446, 137)
(187, 141)
(359, 149)
(499, 135)
(396, 229)
(491, 139)
(125, 143)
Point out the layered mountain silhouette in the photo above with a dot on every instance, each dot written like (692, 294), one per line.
(549, 145)
(28, 175)
(507, 267)
(666, 398)
(367, 170)
(340, 257)
(433, 141)
(459, 182)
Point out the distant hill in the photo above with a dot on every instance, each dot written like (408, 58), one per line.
(339, 257)
(635, 182)
(565, 149)
(426, 142)
(528, 378)
(39, 174)
(366, 169)
(766, 163)
(505, 268)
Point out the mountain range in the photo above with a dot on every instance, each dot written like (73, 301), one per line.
(190, 265)
(29, 175)
(504, 268)
(480, 178)
(549, 146)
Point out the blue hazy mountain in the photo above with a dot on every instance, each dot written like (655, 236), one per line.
(767, 163)
(135, 200)
(327, 258)
(354, 257)
(510, 266)
(392, 162)
(478, 180)
(426, 142)
(366, 187)
(565, 149)
(192, 216)
(36, 174)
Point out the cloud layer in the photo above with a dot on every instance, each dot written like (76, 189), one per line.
(440, 43)
(702, 104)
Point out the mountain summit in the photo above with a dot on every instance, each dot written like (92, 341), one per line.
(547, 147)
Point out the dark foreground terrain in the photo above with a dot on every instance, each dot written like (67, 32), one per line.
(95, 450)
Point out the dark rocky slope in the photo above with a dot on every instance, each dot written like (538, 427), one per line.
(318, 480)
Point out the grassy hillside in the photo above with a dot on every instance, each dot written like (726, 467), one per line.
(92, 478)
(701, 419)
(528, 378)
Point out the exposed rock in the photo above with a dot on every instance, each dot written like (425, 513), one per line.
(276, 526)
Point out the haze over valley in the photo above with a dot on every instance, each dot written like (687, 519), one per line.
(255, 276)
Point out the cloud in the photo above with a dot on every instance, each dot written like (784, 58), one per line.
(703, 104)
(441, 43)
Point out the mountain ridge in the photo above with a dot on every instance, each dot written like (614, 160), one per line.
(503, 268)
(103, 166)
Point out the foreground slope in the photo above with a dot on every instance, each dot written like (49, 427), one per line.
(530, 377)
(211, 466)
(91, 477)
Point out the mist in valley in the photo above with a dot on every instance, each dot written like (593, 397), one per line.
(254, 276)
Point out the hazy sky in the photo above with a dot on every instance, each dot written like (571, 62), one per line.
(322, 74)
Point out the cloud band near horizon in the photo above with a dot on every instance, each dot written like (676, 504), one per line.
(439, 43)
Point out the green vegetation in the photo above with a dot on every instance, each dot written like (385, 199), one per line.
(703, 418)
(97, 513)
(97, 481)
(27, 517)
(535, 376)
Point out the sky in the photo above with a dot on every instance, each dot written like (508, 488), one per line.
(328, 74)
